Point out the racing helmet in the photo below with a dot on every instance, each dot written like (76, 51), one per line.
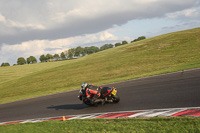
(83, 86)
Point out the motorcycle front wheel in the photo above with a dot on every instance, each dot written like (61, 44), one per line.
(116, 99)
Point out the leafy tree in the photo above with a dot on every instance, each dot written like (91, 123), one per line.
(66, 53)
(139, 38)
(43, 58)
(21, 61)
(86, 50)
(109, 45)
(63, 56)
(78, 51)
(71, 53)
(28, 60)
(49, 56)
(93, 49)
(5, 64)
(31, 59)
(124, 42)
(117, 44)
(56, 56)
(106, 46)
(83, 52)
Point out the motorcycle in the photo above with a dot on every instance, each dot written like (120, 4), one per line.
(107, 93)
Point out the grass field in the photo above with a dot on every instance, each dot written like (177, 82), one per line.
(137, 125)
(16, 72)
(162, 54)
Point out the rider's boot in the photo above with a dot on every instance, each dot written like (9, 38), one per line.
(103, 101)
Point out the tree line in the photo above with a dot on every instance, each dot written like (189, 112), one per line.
(5, 64)
(72, 53)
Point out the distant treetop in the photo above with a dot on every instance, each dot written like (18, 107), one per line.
(139, 38)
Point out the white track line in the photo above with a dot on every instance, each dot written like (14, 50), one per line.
(138, 113)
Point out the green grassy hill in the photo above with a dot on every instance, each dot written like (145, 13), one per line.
(17, 72)
(157, 55)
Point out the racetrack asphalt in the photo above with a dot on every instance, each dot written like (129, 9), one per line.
(174, 90)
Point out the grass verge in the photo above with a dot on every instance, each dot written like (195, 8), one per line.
(141, 125)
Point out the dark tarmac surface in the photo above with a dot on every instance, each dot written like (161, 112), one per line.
(180, 89)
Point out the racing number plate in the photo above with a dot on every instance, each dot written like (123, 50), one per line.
(114, 92)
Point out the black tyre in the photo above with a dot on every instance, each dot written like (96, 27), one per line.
(116, 99)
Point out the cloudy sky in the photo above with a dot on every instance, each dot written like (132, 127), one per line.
(36, 27)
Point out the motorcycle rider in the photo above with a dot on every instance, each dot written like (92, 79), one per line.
(92, 91)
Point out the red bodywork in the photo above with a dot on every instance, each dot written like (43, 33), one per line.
(107, 93)
(91, 93)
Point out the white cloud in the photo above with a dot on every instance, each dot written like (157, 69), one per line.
(2, 18)
(51, 20)
(24, 26)
(191, 12)
(185, 14)
(12, 28)
(39, 47)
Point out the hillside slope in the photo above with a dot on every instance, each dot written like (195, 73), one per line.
(19, 71)
(161, 54)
